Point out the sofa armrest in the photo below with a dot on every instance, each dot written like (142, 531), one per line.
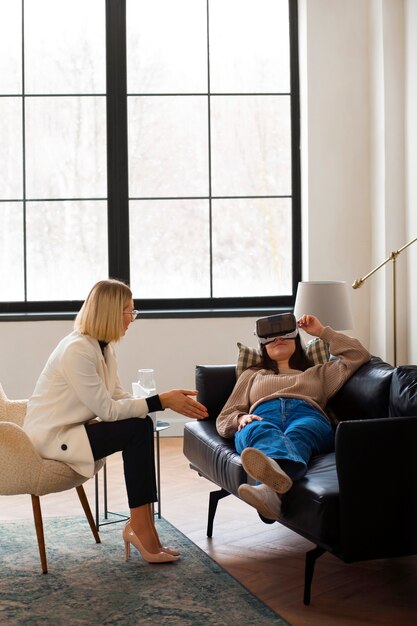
(16, 411)
(214, 384)
(365, 395)
(376, 464)
(20, 464)
(212, 456)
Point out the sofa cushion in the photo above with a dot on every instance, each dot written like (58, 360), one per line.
(403, 395)
(212, 456)
(247, 357)
(311, 507)
(317, 351)
(365, 395)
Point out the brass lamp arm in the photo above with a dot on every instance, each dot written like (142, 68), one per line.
(406, 246)
(359, 281)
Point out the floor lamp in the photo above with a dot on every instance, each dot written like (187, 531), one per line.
(359, 282)
(328, 301)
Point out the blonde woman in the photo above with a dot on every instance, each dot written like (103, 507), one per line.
(79, 413)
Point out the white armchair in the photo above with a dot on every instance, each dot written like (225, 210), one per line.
(22, 470)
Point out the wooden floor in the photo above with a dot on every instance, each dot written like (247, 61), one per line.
(267, 559)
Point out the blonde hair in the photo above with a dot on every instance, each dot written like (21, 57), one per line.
(101, 315)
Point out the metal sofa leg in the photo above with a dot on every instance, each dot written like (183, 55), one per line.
(215, 496)
(311, 558)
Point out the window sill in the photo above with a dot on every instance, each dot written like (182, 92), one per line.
(155, 314)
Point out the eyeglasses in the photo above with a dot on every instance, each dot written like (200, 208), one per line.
(133, 314)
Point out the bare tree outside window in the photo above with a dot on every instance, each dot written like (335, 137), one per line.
(209, 139)
(54, 233)
(210, 125)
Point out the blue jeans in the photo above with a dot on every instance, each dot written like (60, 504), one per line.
(290, 432)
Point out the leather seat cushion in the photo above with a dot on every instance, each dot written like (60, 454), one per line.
(311, 508)
(212, 456)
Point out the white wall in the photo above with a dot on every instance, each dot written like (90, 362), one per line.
(359, 158)
(334, 77)
(172, 347)
(358, 81)
(388, 208)
(410, 21)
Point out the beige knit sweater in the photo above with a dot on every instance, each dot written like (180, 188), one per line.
(316, 385)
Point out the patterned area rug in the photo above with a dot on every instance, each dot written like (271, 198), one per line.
(91, 583)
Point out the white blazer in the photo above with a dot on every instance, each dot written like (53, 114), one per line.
(77, 384)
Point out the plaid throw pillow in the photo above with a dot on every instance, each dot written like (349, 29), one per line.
(247, 357)
(316, 349)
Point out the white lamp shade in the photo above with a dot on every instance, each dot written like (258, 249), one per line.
(328, 301)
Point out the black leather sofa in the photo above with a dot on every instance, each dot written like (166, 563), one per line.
(358, 502)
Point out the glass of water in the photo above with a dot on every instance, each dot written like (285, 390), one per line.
(146, 381)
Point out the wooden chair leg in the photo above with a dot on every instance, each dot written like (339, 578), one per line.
(87, 511)
(37, 515)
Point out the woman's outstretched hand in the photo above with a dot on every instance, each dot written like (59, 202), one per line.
(180, 401)
(311, 325)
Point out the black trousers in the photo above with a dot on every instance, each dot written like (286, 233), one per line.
(134, 437)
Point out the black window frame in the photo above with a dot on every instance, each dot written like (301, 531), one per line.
(118, 195)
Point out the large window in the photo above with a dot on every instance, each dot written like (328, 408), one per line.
(151, 140)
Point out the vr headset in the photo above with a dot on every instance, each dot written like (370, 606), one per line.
(284, 326)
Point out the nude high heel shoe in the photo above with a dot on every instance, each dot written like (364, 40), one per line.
(131, 538)
(162, 548)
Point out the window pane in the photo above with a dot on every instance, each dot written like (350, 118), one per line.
(11, 251)
(249, 46)
(66, 248)
(65, 46)
(169, 249)
(167, 46)
(10, 47)
(168, 146)
(11, 152)
(252, 248)
(66, 147)
(251, 145)
(209, 127)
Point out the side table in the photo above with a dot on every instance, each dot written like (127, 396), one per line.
(160, 426)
